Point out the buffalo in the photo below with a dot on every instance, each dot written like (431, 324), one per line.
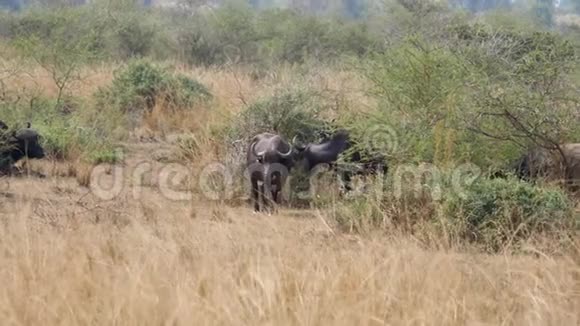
(328, 152)
(544, 163)
(540, 162)
(269, 160)
(18, 144)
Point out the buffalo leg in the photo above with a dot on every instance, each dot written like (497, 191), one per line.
(276, 183)
(275, 196)
(264, 195)
(274, 202)
(255, 195)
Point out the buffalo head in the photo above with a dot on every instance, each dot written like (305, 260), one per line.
(29, 143)
(325, 152)
(330, 149)
(269, 160)
(19, 144)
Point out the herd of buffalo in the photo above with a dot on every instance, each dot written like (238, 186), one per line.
(270, 158)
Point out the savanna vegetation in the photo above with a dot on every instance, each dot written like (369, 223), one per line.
(450, 91)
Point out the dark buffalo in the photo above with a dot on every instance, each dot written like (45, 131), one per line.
(269, 160)
(328, 152)
(18, 144)
(544, 163)
(534, 164)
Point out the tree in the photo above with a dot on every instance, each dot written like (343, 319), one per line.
(10, 4)
(60, 49)
(353, 8)
(576, 6)
(544, 12)
(482, 5)
(524, 94)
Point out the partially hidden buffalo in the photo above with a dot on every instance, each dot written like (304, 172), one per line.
(269, 160)
(328, 152)
(18, 144)
(544, 163)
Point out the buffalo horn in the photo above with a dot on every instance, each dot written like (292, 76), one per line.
(294, 139)
(285, 155)
(254, 151)
(298, 146)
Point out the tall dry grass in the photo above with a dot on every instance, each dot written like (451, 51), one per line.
(211, 265)
(68, 258)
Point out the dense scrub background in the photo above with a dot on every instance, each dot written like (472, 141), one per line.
(418, 81)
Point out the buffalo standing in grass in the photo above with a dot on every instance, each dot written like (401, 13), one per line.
(544, 163)
(328, 152)
(18, 144)
(269, 160)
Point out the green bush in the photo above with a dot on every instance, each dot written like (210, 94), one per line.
(523, 52)
(525, 90)
(111, 30)
(504, 212)
(289, 113)
(68, 140)
(60, 30)
(472, 96)
(295, 38)
(422, 94)
(134, 36)
(136, 89)
(492, 214)
(239, 35)
(191, 91)
(65, 136)
(197, 48)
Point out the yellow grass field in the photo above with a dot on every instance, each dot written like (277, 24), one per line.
(68, 257)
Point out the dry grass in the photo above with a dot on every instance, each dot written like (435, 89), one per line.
(238, 269)
(232, 87)
(35, 79)
(70, 258)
